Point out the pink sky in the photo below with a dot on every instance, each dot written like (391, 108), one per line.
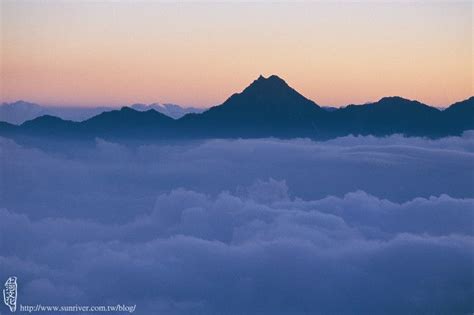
(120, 52)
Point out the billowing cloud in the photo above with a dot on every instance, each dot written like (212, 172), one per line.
(226, 227)
(76, 180)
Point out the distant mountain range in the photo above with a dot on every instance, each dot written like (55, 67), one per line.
(171, 110)
(266, 108)
(21, 111)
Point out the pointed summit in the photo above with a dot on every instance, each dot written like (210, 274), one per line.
(268, 85)
(270, 94)
(273, 77)
(268, 106)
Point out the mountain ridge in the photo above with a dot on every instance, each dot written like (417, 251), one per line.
(268, 107)
(20, 111)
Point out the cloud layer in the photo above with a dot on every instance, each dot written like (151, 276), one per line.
(245, 226)
(87, 181)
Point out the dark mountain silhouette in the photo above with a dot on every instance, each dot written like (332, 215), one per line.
(127, 122)
(20, 111)
(462, 107)
(460, 116)
(266, 108)
(49, 125)
(7, 128)
(387, 116)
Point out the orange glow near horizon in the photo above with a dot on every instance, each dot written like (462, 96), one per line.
(198, 54)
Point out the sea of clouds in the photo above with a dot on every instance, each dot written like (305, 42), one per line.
(351, 225)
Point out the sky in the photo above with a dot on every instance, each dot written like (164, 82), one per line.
(113, 53)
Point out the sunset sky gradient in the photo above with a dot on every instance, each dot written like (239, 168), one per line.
(112, 53)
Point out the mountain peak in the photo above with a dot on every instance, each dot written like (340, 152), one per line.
(272, 93)
(271, 84)
(21, 103)
(398, 101)
(127, 109)
(273, 78)
(393, 99)
(265, 102)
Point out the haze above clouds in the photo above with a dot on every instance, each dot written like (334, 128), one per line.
(243, 226)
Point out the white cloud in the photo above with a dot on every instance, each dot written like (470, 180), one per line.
(354, 225)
